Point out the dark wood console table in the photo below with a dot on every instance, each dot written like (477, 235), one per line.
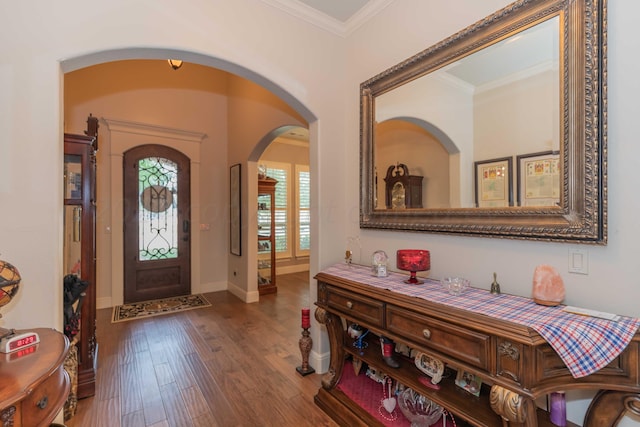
(516, 364)
(33, 383)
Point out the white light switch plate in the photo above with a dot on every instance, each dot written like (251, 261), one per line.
(578, 261)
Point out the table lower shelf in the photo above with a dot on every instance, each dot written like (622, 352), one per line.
(368, 395)
(348, 410)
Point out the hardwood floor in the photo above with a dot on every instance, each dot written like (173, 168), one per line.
(231, 364)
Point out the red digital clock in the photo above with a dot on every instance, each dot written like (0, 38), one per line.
(17, 342)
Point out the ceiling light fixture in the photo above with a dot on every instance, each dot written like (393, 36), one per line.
(175, 63)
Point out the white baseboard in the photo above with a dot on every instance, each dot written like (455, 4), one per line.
(213, 287)
(288, 269)
(104, 302)
(243, 295)
(319, 361)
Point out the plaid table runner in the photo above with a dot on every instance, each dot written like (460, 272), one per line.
(585, 344)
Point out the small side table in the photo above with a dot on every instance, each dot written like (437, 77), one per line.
(35, 385)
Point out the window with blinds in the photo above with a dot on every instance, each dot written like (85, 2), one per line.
(292, 209)
(303, 229)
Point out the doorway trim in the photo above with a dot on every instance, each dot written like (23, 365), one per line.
(120, 137)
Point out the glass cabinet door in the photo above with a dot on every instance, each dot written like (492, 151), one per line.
(72, 176)
(73, 240)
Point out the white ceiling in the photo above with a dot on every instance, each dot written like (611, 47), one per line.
(338, 16)
(341, 10)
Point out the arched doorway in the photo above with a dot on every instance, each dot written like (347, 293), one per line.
(211, 213)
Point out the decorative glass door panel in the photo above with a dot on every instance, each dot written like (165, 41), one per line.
(158, 208)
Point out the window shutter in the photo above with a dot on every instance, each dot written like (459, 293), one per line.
(304, 214)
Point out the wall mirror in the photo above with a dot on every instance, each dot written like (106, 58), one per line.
(498, 130)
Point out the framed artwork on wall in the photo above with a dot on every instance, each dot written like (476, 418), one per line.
(234, 210)
(493, 187)
(539, 179)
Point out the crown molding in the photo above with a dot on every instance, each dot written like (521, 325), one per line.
(115, 125)
(324, 21)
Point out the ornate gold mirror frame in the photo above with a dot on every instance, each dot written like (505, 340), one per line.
(580, 216)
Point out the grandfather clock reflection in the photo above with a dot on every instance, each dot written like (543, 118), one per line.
(401, 189)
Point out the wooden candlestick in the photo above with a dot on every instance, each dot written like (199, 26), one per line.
(305, 344)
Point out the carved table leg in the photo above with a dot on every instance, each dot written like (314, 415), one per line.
(512, 407)
(608, 408)
(336, 339)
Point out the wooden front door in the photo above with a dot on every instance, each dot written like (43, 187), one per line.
(157, 229)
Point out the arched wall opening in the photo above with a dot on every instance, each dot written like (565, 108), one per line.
(426, 151)
(118, 134)
(284, 153)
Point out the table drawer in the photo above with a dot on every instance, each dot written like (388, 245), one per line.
(45, 398)
(356, 307)
(463, 344)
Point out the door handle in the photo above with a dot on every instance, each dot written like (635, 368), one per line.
(185, 230)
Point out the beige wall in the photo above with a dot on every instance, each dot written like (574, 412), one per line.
(498, 117)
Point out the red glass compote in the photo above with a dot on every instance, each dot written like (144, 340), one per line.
(413, 260)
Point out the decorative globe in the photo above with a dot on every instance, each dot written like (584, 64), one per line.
(9, 282)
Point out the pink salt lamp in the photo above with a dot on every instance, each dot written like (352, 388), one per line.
(548, 287)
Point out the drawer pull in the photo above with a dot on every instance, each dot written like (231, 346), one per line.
(349, 305)
(426, 333)
(42, 403)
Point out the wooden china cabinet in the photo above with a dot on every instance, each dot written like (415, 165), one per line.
(80, 245)
(266, 236)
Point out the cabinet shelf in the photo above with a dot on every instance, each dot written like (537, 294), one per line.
(266, 236)
(449, 396)
(469, 410)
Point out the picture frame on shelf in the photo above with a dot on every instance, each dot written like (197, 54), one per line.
(235, 243)
(469, 382)
(264, 246)
(430, 366)
(493, 183)
(539, 179)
